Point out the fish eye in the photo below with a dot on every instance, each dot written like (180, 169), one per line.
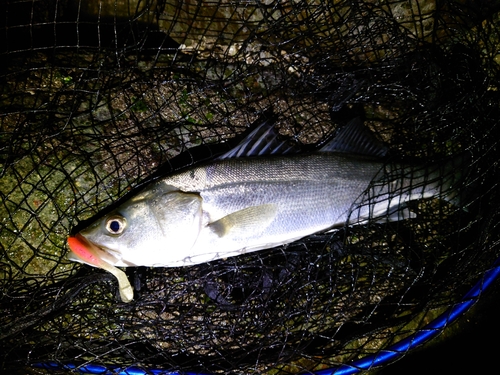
(116, 224)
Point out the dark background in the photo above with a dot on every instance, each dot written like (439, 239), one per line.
(469, 346)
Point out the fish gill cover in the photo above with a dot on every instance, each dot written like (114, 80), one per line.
(98, 96)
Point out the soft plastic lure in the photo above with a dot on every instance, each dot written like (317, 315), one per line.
(88, 253)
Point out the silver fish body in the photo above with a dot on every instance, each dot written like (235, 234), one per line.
(234, 206)
(260, 194)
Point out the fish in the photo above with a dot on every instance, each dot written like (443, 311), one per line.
(263, 193)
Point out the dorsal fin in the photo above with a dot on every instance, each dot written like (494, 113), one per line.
(355, 138)
(263, 140)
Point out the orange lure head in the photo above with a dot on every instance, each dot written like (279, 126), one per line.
(86, 252)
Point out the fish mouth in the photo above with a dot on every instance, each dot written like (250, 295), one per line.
(85, 251)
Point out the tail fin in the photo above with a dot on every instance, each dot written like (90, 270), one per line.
(455, 179)
(390, 191)
(447, 180)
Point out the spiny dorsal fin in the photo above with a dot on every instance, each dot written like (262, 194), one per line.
(355, 138)
(263, 140)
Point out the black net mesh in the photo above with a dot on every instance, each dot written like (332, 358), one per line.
(97, 96)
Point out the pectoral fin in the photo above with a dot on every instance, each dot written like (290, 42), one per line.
(248, 220)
